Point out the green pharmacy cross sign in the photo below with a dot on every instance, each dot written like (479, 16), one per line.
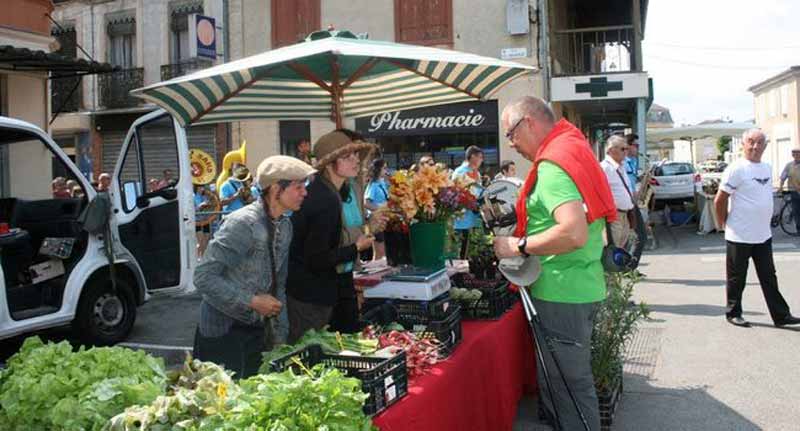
(598, 87)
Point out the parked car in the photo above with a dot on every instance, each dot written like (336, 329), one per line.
(674, 181)
(58, 245)
(712, 166)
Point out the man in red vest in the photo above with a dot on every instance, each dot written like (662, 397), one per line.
(561, 215)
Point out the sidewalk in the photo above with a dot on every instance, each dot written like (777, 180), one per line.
(687, 368)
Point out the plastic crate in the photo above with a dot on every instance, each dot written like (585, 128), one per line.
(385, 380)
(446, 330)
(435, 309)
(495, 300)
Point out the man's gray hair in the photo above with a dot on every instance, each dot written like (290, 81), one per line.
(531, 106)
(755, 132)
(615, 141)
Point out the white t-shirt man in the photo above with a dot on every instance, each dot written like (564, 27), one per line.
(750, 204)
(616, 181)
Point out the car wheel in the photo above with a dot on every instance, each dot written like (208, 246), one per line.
(105, 316)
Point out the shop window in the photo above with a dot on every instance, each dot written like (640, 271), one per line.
(424, 22)
(293, 20)
(122, 41)
(291, 133)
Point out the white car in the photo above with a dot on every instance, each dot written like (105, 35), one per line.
(57, 245)
(674, 181)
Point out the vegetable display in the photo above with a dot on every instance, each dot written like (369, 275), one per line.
(421, 352)
(204, 397)
(50, 387)
(331, 342)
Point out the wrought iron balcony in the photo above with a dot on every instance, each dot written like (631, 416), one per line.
(169, 71)
(593, 50)
(60, 98)
(115, 88)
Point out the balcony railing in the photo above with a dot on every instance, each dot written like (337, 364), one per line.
(115, 88)
(60, 98)
(593, 50)
(169, 71)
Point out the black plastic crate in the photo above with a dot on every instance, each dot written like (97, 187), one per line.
(495, 299)
(385, 380)
(436, 308)
(446, 330)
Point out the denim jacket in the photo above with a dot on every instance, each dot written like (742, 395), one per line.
(236, 266)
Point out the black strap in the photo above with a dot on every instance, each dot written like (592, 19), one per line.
(624, 184)
(273, 288)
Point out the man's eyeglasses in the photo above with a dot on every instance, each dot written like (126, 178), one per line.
(510, 133)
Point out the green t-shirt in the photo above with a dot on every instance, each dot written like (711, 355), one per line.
(576, 277)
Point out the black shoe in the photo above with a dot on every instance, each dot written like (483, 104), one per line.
(738, 321)
(788, 320)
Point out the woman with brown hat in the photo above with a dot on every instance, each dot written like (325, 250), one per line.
(328, 238)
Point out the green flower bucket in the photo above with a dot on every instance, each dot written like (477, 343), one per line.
(427, 244)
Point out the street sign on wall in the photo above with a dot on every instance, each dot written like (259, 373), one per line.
(598, 87)
(203, 36)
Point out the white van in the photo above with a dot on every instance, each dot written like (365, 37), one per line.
(56, 245)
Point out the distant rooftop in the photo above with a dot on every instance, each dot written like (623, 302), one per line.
(792, 71)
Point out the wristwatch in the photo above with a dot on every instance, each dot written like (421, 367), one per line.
(523, 242)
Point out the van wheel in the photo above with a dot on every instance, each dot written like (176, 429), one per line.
(105, 317)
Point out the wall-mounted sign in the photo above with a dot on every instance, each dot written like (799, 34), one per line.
(608, 86)
(454, 118)
(509, 53)
(205, 35)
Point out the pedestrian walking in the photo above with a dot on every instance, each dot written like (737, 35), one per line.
(616, 151)
(242, 276)
(560, 219)
(376, 196)
(744, 207)
(632, 163)
(791, 176)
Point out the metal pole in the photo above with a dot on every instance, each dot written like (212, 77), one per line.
(544, 48)
(641, 124)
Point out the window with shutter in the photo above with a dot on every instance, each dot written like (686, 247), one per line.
(424, 22)
(293, 20)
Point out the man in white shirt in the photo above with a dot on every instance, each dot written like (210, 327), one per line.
(616, 150)
(744, 206)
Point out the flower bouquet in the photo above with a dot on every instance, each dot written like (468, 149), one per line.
(425, 202)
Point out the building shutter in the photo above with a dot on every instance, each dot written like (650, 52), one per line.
(293, 20)
(160, 151)
(424, 22)
(112, 143)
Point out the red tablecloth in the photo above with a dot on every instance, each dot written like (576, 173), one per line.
(477, 388)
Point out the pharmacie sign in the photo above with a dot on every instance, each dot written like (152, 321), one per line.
(454, 118)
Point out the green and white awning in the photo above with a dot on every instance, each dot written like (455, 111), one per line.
(331, 77)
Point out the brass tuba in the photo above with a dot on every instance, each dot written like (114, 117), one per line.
(238, 156)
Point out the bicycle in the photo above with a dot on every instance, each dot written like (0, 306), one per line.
(785, 216)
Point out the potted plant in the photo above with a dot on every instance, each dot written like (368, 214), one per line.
(427, 200)
(614, 326)
(480, 254)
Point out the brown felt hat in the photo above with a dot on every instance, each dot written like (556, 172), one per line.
(334, 145)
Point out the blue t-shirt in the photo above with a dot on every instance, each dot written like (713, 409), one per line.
(199, 200)
(469, 220)
(377, 192)
(632, 169)
(226, 191)
(351, 212)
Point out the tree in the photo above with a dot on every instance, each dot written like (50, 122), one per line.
(723, 145)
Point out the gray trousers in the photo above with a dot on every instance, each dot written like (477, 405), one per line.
(569, 322)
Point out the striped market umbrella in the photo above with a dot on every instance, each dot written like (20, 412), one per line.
(330, 75)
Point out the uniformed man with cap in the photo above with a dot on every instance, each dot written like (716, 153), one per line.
(242, 276)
